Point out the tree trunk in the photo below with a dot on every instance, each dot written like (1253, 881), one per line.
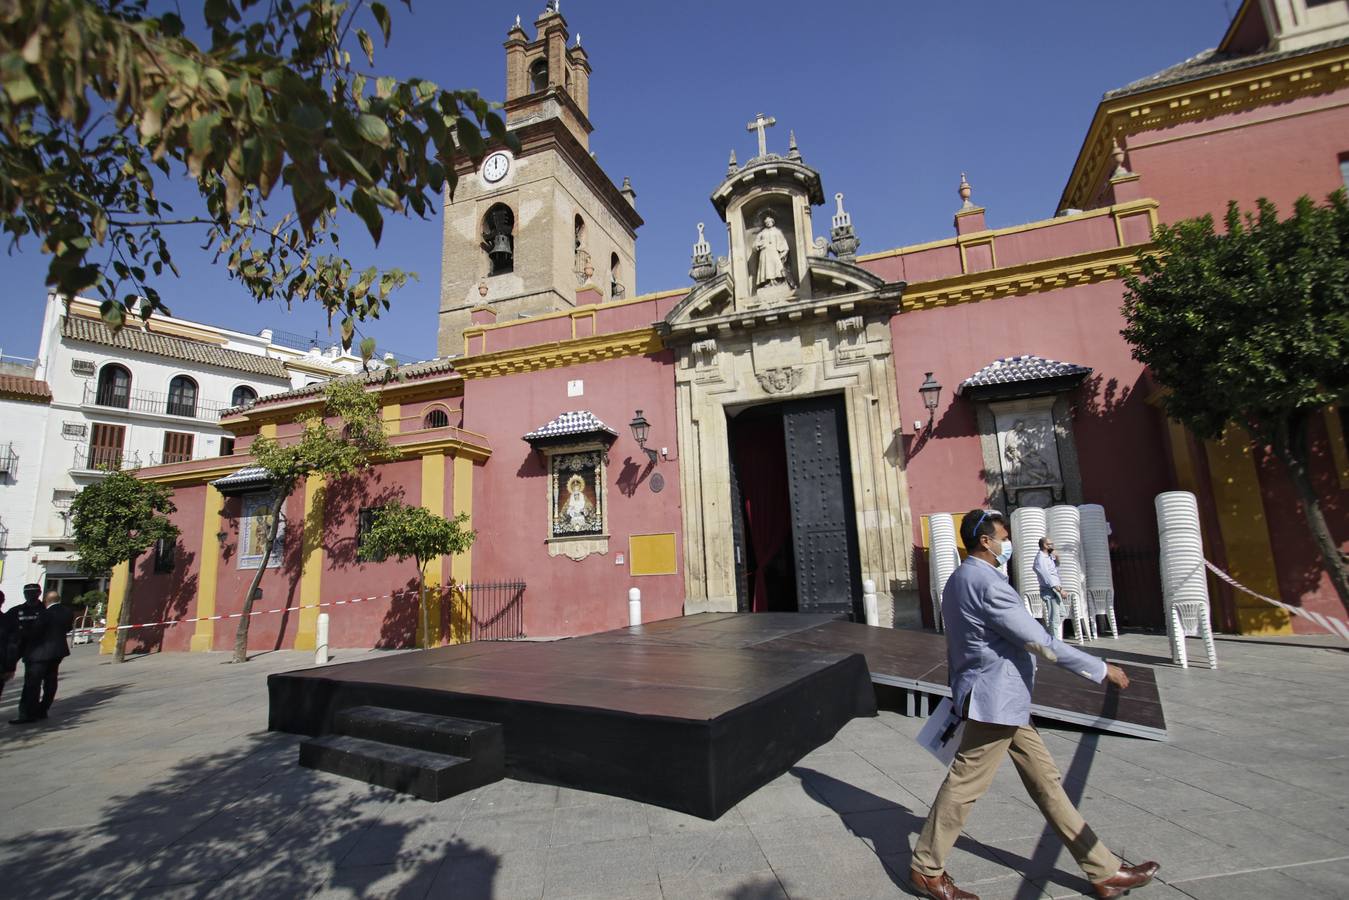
(421, 606)
(124, 615)
(241, 635)
(1291, 446)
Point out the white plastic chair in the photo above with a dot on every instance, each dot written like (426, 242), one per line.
(1195, 614)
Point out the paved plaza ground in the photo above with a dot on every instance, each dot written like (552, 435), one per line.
(157, 778)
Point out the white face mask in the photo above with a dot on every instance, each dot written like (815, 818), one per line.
(1006, 555)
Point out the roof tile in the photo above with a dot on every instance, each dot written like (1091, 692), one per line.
(576, 422)
(1014, 369)
(90, 331)
(21, 387)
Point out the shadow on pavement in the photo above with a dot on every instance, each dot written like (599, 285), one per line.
(247, 822)
(66, 713)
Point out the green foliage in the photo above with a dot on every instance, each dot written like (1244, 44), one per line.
(119, 518)
(339, 438)
(99, 98)
(416, 532)
(92, 602)
(1250, 326)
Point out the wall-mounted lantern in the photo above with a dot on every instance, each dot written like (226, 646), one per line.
(640, 426)
(930, 391)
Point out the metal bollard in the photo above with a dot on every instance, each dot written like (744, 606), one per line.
(321, 641)
(634, 607)
(869, 602)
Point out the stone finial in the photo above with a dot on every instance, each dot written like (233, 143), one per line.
(517, 22)
(1117, 153)
(627, 191)
(843, 241)
(792, 151)
(732, 167)
(704, 266)
(965, 191)
(578, 38)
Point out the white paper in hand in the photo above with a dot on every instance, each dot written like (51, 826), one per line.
(941, 735)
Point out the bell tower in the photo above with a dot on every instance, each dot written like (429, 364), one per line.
(540, 230)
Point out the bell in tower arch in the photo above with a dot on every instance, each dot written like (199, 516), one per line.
(498, 239)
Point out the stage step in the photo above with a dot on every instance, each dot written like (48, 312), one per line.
(478, 741)
(431, 757)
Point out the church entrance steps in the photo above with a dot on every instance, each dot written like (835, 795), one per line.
(429, 756)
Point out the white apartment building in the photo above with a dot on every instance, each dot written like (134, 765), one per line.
(148, 394)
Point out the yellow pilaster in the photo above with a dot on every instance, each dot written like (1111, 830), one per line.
(461, 564)
(1245, 531)
(1338, 451)
(391, 414)
(1181, 458)
(311, 571)
(203, 637)
(117, 585)
(433, 498)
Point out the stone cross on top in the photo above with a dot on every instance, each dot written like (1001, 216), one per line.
(759, 124)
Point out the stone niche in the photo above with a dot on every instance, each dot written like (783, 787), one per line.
(1030, 456)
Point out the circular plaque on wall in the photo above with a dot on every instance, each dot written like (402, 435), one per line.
(657, 483)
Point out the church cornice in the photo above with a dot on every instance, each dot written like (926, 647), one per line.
(557, 354)
(1279, 81)
(1029, 278)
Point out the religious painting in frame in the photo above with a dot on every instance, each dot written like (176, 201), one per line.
(576, 491)
(254, 522)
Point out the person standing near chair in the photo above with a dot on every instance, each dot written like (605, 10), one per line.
(43, 652)
(991, 646)
(9, 643)
(1051, 589)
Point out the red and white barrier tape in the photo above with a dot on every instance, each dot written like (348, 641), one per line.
(1335, 626)
(256, 612)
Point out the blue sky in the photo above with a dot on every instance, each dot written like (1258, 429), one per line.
(890, 101)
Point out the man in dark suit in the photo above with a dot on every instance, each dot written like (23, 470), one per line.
(43, 651)
(9, 643)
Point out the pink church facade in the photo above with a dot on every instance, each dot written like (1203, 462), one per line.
(528, 429)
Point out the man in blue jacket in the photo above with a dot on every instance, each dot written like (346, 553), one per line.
(991, 645)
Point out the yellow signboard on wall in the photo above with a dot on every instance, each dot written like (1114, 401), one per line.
(652, 554)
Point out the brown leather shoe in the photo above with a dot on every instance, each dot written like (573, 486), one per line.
(1126, 879)
(938, 887)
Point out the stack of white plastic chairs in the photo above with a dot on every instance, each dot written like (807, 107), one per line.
(1184, 579)
(1028, 526)
(1100, 582)
(1065, 528)
(943, 558)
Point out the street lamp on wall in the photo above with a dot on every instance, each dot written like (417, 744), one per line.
(930, 391)
(640, 426)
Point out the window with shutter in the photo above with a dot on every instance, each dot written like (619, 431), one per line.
(177, 446)
(105, 447)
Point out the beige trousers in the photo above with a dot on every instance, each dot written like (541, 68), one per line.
(981, 751)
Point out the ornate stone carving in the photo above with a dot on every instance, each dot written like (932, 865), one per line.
(851, 337)
(704, 266)
(843, 241)
(780, 380)
(705, 352)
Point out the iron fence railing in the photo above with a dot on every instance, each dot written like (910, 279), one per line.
(108, 458)
(498, 610)
(152, 402)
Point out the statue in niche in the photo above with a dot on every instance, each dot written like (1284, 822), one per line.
(1026, 462)
(771, 247)
(577, 505)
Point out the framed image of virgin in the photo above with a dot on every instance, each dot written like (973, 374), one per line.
(576, 491)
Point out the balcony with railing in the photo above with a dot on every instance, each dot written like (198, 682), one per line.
(113, 396)
(104, 459)
(8, 459)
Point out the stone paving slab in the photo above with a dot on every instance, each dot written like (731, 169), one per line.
(157, 778)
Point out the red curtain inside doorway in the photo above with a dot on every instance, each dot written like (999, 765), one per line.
(761, 466)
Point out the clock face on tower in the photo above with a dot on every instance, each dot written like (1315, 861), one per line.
(495, 167)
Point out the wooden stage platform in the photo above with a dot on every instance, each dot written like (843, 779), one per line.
(693, 713)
